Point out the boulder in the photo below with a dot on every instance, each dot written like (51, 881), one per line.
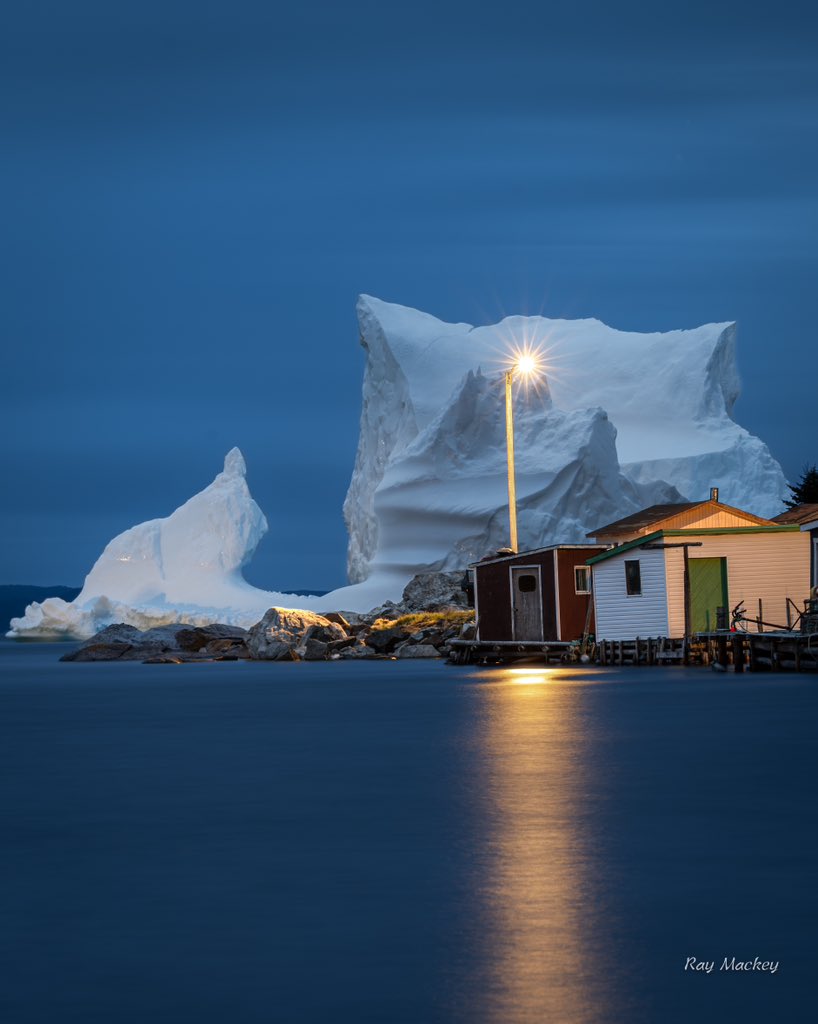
(120, 642)
(385, 640)
(334, 646)
(338, 619)
(417, 651)
(288, 629)
(99, 652)
(313, 650)
(226, 648)
(434, 591)
(215, 636)
(358, 651)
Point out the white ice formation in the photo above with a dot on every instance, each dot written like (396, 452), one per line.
(185, 568)
(626, 420)
(623, 421)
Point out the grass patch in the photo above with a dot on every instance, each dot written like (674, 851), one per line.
(425, 620)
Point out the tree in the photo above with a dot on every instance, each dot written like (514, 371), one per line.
(805, 492)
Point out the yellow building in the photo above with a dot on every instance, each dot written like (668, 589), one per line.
(673, 566)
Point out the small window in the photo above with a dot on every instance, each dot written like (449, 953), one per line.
(633, 577)
(527, 583)
(582, 579)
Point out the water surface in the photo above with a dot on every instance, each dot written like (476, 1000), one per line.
(402, 843)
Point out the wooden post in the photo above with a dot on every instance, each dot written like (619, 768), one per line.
(760, 616)
(687, 589)
(722, 651)
(738, 652)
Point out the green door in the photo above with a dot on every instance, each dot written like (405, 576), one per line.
(708, 591)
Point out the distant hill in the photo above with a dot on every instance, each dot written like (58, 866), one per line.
(15, 597)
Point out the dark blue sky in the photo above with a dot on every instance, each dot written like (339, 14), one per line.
(194, 194)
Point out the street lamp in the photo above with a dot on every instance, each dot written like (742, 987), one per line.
(526, 365)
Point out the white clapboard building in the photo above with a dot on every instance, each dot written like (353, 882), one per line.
(672, 566)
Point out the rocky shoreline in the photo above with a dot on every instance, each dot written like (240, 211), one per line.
(433, 611)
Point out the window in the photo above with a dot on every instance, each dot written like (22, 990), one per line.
(527, 583)
(633, 577)
(582, 579)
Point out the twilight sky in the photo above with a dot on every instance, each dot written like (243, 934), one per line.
(193, 194)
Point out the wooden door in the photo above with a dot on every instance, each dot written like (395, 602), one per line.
(526, 603)
(708, 591)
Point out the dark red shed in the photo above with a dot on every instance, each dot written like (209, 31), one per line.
(535, 596)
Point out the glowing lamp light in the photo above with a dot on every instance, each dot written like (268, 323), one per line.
(526, 365)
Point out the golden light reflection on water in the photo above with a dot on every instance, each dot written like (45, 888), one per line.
(538, 859)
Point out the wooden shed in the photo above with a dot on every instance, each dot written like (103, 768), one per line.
(806, 516)
(671, 583)
(535, 596)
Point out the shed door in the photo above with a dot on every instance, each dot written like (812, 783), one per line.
(526, 603)
(708, 591)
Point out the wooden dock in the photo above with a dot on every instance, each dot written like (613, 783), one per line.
(779, 651)
(496, 652)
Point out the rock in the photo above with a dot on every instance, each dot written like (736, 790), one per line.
(385, 640)
(467, 631)
(434, 591)
(194, 638)
(313, 650)
(288, 628)
(235, 649)
(358, 651)
(164, 659)
(91, 651)
(277, 650)
(338, 619)
(418, 651)
(119, 632)
(120, 642)
(337, 645)
(327, 634)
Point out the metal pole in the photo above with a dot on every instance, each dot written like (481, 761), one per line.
(512, 489)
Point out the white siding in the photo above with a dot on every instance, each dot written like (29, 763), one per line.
(623, 617)
(770, 566)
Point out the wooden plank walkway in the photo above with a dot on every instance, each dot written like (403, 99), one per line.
(470, 652)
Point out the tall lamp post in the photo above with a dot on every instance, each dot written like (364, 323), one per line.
(525, 365)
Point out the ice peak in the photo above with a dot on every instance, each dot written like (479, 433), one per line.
(234, 464)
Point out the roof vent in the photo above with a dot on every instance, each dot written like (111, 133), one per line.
(714, 494)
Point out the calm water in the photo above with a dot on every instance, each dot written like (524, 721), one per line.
(395, 843)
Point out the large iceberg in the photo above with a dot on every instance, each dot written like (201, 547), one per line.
(625, 420)
(184, 568)
(621, 421)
